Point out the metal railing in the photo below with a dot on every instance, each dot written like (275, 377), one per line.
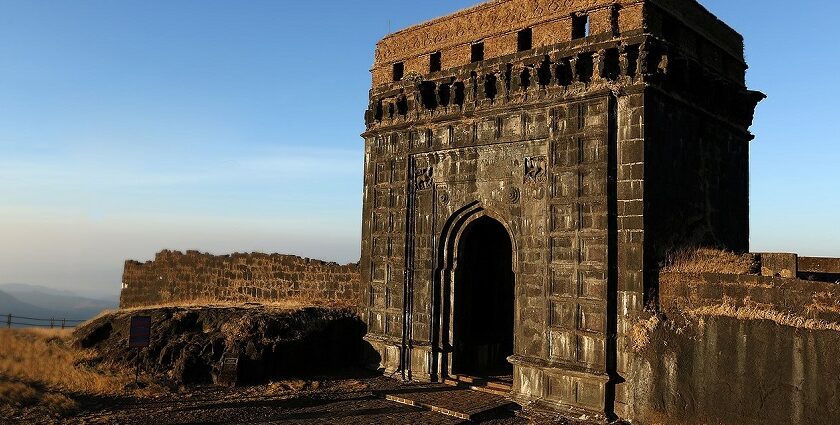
(51, 323)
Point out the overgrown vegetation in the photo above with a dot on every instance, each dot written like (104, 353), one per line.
(706, 260)
(41, 371)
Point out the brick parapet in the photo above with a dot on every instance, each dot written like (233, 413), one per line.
(174, 277)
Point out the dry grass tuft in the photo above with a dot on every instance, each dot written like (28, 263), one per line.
(823, 302)
(705, 260)
(39, 368)
(641, 332)
(48, 358)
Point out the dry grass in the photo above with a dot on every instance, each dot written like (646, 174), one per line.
(705, 260)
(823, 302)
(39, 368)
(750, 312)
(641, 332)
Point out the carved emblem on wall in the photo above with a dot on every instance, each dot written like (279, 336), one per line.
(535, 167)
(513, 195)
(443, 197)
(423, 179)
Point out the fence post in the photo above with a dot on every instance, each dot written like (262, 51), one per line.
(62, 323)
(52, 322)
(9, 321)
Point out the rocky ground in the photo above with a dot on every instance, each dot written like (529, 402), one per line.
(338, 400)
(295, 366)
(188, 344)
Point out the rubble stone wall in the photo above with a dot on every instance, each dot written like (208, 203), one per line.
(174, 277)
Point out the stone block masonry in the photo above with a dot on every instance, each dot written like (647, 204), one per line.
(567, 144)
(181, 278)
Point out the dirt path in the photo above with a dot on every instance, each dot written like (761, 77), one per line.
(344, 401)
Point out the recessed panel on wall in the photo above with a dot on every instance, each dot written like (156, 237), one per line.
(593, 285)
(381, 198)
(442, 136)
(393, 324)
(591, 318)
(563, 281)
(563, 217)
(537, 125)
(562, 249)
(562, 345)
(377, 322)
(559, 387)
(378, 296)
(563, 314)
(486, 131)
(565, 152)
(593, 250)
(512, 127)
(593, 182)
(590, 394)
(565, 184)
(591, 350)
(463, 134)
(593, 216)
(594, 151)
(379, 271)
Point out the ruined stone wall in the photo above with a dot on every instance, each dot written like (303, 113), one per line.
(194, 277)
(739, 349)
(495, 23)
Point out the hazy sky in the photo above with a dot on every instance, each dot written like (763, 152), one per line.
(127, 127)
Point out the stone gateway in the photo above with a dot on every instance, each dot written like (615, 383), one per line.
(528, 163)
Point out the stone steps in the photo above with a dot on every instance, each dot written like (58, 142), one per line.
(477, 384)
(456, 401)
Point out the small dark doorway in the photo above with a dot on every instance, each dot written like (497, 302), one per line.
(483, 307)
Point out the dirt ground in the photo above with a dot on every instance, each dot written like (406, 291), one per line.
(347, 400)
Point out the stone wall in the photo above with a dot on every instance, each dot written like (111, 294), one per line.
(174, 277)
(495, 23)
(739, 349)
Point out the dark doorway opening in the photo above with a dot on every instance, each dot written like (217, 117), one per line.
(484, 301)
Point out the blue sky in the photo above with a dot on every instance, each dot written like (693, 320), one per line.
(127, 127)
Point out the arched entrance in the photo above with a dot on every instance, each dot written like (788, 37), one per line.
(483, 312)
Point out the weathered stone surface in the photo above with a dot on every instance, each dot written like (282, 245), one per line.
(739, 350)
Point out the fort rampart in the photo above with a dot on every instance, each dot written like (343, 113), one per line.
(181, 278)
(745, 349)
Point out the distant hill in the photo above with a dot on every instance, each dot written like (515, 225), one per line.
(11, 305)
(42, 302)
